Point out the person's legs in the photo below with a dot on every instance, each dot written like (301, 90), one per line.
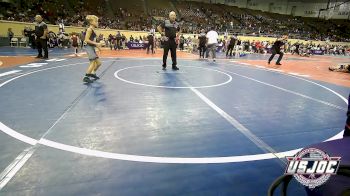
(280, 57)
(44, 45)
(91, 72)
(234, 49)
(213, 51)
(90, 69)
(118, 45)
(166, 51)
(204, 50)
(201, 51)
(207, 51)
(94, 64)
(97, 65)
(230, 49)
(272, 55)
(173, 54)
(40, 48)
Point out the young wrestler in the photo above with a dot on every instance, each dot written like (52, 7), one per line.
(90, 49)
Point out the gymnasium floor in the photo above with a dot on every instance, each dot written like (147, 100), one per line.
(219, 128)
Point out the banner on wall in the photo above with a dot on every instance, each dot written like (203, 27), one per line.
(317, 52)
(133, 45)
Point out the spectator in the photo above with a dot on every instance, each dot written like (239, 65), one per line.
(118, 39)
(202, 42)
(182, 42)
(212, 42)
(10, 34)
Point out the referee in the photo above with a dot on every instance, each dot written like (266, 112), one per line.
(168, 30)
(276, 49)
(41, 33)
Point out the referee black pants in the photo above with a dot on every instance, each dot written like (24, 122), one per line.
(150, 45)
(42, 45)
(169, 45)
(229, 50)
(201, 51)
(274, 52)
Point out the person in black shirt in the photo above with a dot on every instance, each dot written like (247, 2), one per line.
(170, 28)
(297, 46)
(276, 49)
(231, 46)
(27, 33)
(10, 34)
(118, 41)
(110, 41)
(123, 41)
(150, 39)
(41, 32)
(202, 41)
(182, 42)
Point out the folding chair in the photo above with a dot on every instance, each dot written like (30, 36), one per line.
(14, 41)
(23, 41)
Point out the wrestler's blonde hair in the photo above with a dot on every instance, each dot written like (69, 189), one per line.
(172, 12)
(91, 18)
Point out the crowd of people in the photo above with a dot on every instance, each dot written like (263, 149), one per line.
(193, 17)
(119, 41)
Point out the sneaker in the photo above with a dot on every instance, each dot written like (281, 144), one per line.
(164, 67)
(268, 62)
(87, 80)
(175, 68)
(94, 76)
(278, 64)
(45, 57)
(39, 57)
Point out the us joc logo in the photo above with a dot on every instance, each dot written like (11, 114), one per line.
(312, 167)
